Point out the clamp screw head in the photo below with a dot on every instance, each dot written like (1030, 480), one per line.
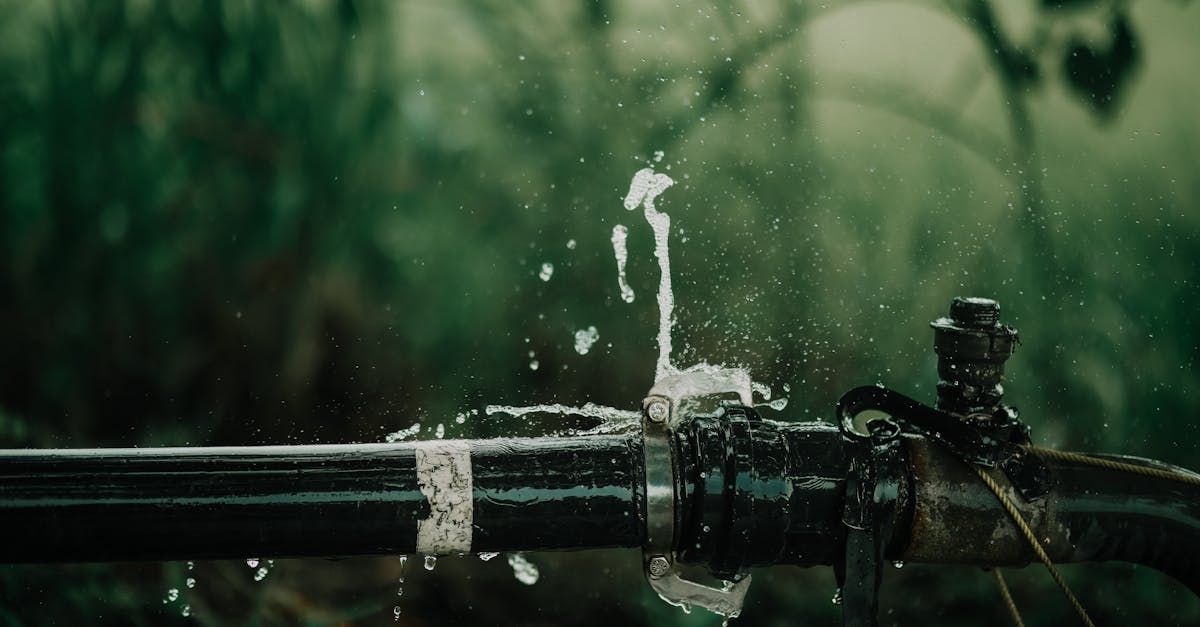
(658, 566)
(657, 410)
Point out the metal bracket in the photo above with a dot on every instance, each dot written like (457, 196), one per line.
(659, 411)
(986, 440)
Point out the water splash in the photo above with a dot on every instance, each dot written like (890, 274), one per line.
(589, 410)
(523, 569)
(619, 236)
(394, 436)
(585, 339)
(778, 404)
(612, 420)
(646, 186)
(762, 389)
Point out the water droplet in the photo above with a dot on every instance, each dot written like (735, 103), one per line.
(186, 611)
(252, 562)
(440, 432)
(523, 569)
(191, 582)
(533, 365)
(585, 338)
(260, 574)
(571, 244)
(619, 236)
(396, 613)
(172, 595)
(898, 564)
(487, 556)
(191, 565)
(837, 597)
(547, 271)
(430, 562)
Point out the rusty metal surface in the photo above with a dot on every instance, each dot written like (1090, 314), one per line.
(957, 520)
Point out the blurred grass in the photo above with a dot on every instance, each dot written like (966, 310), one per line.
(234, 223)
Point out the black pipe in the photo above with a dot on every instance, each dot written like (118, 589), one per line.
(758, 492)
(197, 503)
(750, 492)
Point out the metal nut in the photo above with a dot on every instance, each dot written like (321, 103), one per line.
(657, 410)
(658, 566)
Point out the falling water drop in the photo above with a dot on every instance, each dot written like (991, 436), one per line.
(252, 562)
(523, 569)
(547, 271)
(619, 236)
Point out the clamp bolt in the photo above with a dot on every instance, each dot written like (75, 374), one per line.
(657, 410)
(658, 566)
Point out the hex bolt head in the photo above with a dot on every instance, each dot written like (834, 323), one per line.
(979, 313)
(658, 566)
(657, 410)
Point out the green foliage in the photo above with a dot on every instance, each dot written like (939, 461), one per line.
(234, 223)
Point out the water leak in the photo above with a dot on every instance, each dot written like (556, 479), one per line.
(645, 187)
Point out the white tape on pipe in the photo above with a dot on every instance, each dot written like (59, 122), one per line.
(444, 477)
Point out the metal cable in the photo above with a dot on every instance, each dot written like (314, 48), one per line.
(1015, 514)
(1101, 462)
(1008, 600)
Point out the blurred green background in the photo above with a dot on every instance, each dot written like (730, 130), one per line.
(252, 222)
